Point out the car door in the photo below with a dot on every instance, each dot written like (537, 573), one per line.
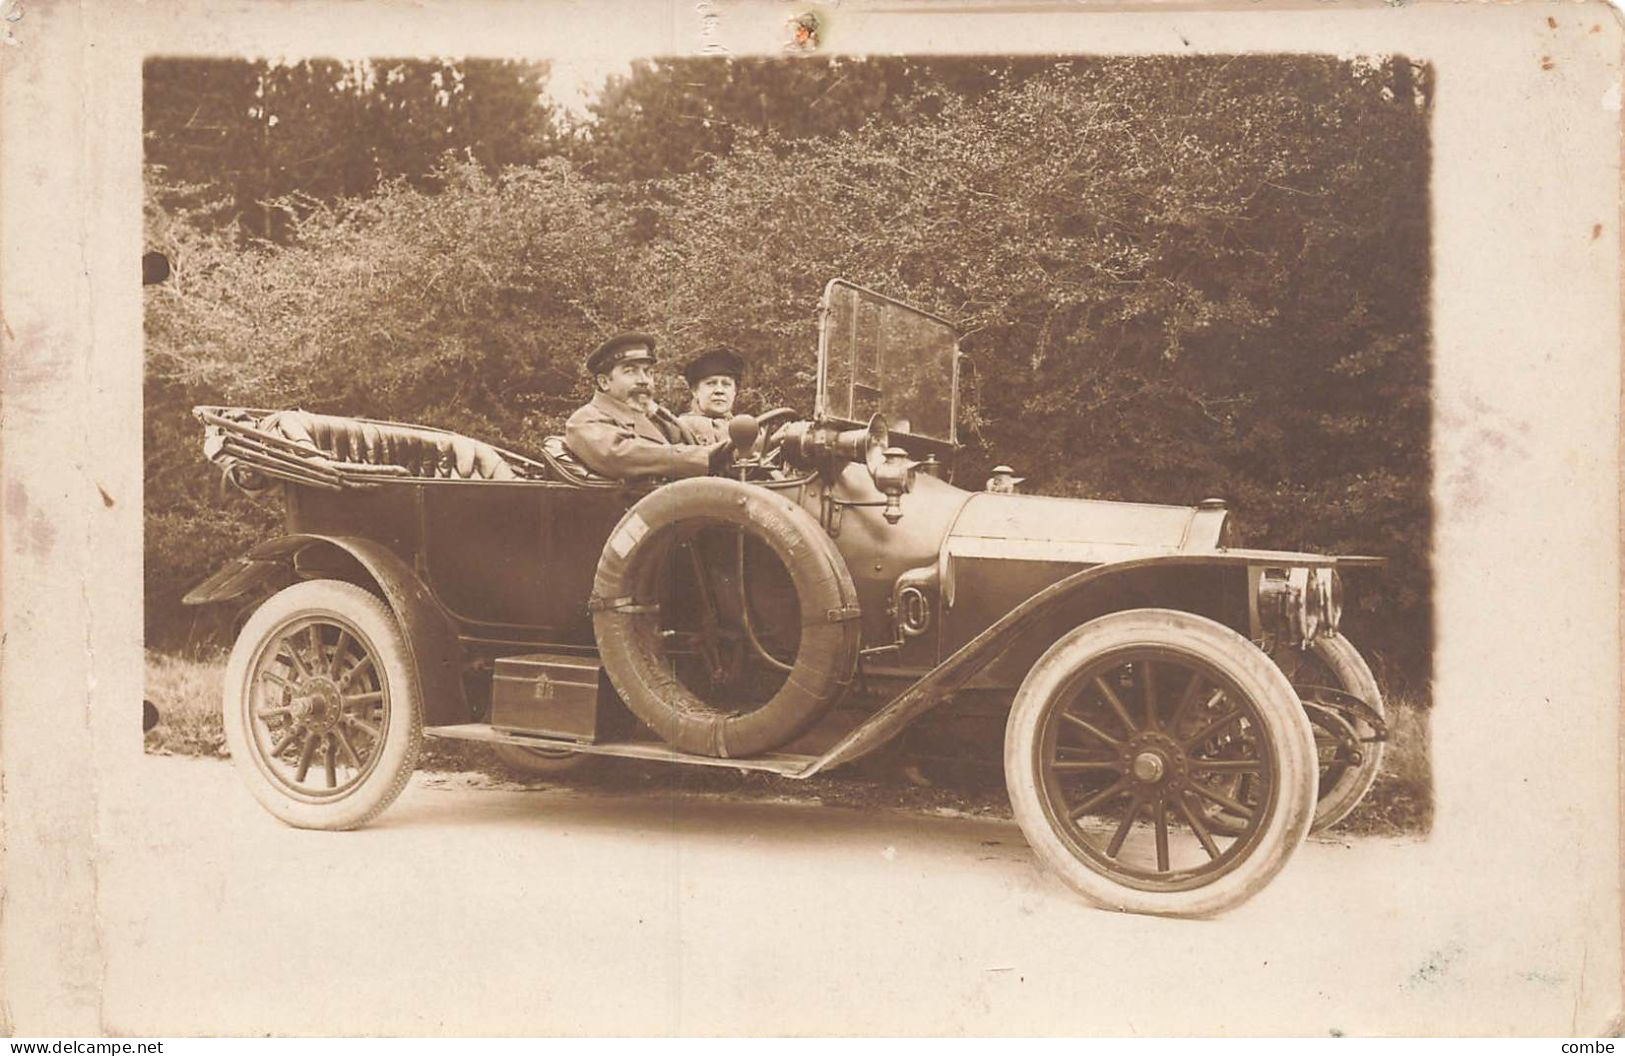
(515, 561)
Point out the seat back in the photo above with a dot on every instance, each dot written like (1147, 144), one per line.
(565, 460)
(421, 452)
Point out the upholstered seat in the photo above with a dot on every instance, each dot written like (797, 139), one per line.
(421, 452)
(562, 458)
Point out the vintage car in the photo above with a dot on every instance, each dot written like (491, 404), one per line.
(1180, 713)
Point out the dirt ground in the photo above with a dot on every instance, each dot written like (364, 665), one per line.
(471, 906)
(890, 782)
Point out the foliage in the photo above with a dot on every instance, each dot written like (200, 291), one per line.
(671, 116)
(253, 133)
(1178, 277)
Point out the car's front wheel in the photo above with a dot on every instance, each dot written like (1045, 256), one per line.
(1129, 732)
(321, 705)
(1350, 753)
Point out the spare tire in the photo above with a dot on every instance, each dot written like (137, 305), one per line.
(628, 624)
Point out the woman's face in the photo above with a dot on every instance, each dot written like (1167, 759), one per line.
(715, 395)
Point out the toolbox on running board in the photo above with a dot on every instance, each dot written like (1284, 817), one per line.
(551, 695)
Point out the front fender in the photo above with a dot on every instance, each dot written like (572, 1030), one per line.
(1078, 597)
(431, 640)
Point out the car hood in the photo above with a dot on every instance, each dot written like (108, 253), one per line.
(1077, 531)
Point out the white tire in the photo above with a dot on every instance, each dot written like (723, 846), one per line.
(1342, 784)
(321, 706)
(1127, 731)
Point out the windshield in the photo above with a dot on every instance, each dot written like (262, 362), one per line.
(877, 354)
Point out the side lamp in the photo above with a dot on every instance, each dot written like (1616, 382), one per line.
(894, 478)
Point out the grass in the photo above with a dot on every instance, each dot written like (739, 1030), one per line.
(1401, 802)
(186, 689)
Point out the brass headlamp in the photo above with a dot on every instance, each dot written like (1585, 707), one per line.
(1299, 605)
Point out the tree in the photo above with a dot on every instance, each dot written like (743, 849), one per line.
(1177, 277)
(253, 134)
(1180, 278)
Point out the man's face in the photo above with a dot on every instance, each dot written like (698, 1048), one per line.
(630, 383)
(715, 395)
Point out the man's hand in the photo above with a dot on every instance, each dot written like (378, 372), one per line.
(721, 457)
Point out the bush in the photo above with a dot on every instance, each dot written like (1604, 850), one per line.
(1178, 278)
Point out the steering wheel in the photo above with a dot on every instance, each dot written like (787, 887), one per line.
(771, 452)
(768, 419)
(746, 434)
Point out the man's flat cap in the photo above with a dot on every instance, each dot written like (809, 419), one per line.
(713, 361)
(622, 348)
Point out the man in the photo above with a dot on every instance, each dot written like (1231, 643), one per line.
(1004, 481)
(623, 432)
(713, 379)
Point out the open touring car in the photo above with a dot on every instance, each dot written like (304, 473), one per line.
(1181, 713)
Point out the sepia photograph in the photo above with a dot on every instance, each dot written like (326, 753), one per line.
(781, 415)
(630, 532)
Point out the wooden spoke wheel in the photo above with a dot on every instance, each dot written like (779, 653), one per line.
(1350, 755)
(321, 711)
(1129, 733)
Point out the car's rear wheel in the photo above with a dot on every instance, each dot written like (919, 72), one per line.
(542, 762)
(1128, 731)
(321, 707)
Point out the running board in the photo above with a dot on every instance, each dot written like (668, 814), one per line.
(773, 762)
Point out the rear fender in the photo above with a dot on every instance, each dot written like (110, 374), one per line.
(431, 639)
(238, 578)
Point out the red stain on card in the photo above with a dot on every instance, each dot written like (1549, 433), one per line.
(31, 526)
